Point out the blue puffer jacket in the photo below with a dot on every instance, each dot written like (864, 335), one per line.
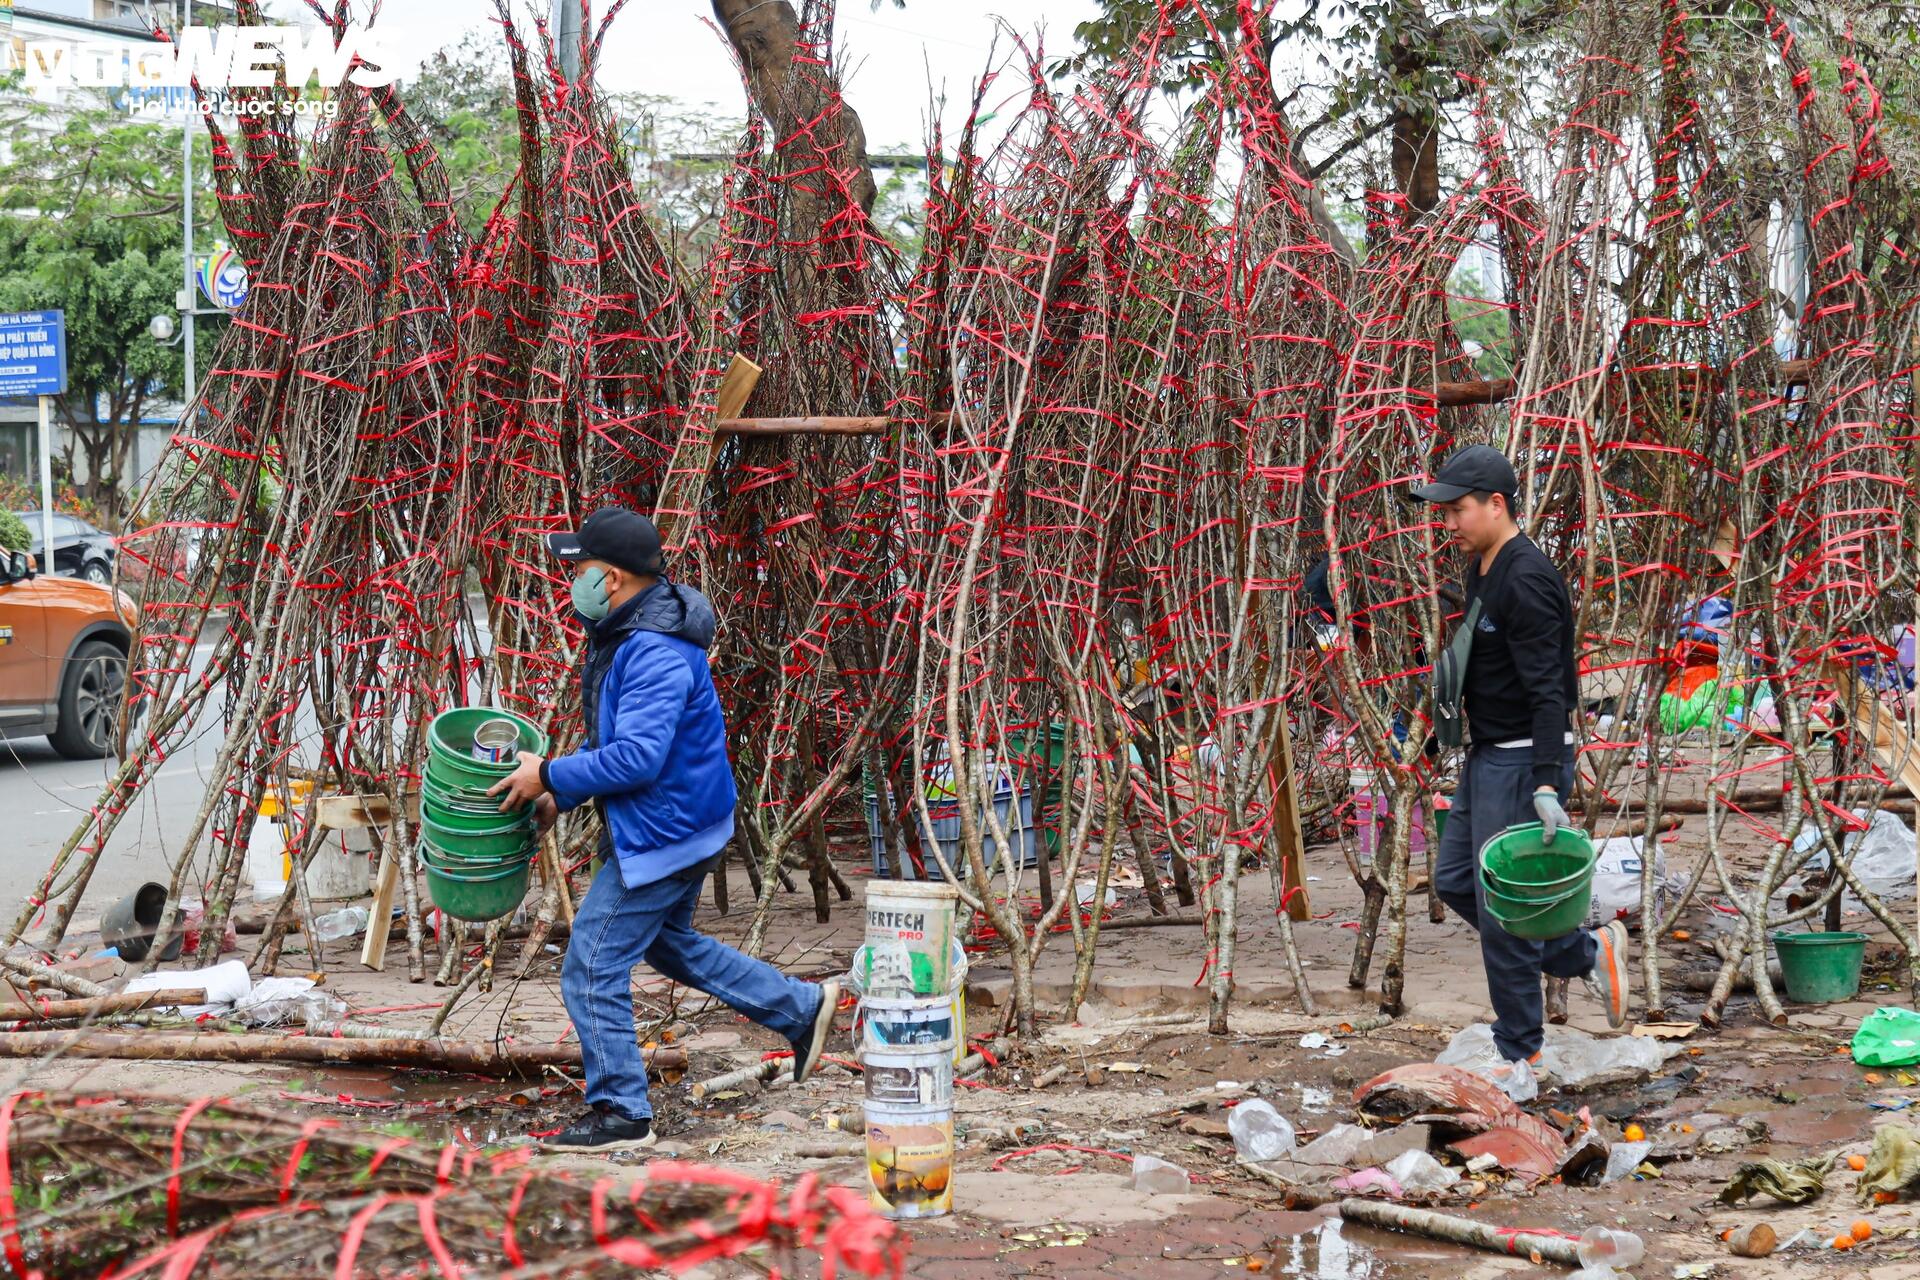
(656, 753)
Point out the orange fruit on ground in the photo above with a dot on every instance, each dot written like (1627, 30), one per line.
(1856, 1163)
(1843, 1241)
(1681, 935)
(1885, 1197)
(1636, 1134)
(1727, 1234)
(1863, 1230)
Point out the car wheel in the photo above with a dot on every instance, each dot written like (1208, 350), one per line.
(97, 571)
(90, 695)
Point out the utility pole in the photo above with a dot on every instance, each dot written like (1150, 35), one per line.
(566, 34)
(188, 303)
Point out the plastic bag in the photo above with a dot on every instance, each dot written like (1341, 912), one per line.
(1259, 1132)
(1571, 1058)
(1616, 880)
(1894, 1166)
(1153, 1176)
(1420, 1174)
(1623, 1160)
(1883, 854)
(1888, 1038)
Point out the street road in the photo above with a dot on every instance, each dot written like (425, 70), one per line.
(43, 797)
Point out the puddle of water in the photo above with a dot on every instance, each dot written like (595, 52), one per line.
(1327, 1254)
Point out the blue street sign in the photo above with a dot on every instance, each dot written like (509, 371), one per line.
(33, 353)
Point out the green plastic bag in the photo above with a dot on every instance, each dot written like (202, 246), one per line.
(1888, 1038)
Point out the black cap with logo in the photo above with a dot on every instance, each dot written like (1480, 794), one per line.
(625, 539)
(1478, 468)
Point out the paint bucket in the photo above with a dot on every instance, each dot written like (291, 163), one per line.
(496, 741)
(910, 1160)
(130, 924)
(908, 1077)
(882, 1023)
(909, 943)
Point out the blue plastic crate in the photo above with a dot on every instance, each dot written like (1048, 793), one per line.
(945, 828)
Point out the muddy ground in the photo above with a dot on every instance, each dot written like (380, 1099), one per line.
(1026, 1207)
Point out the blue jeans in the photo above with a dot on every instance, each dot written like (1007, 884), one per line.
(615, 929)
(1495, 792)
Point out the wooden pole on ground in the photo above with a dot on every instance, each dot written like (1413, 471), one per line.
(481, 1057)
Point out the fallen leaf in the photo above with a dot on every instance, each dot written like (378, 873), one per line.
(1126, 1066)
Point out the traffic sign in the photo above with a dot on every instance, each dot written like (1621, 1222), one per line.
(33, 353)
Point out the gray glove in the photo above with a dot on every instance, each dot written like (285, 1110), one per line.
(1552, 815)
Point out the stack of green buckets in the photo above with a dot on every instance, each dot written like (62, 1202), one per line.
(477, 858)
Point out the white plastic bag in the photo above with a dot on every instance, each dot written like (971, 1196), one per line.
(1420, 1174)
(1259, 1132)
(1571, 1057)
(1883, 855)
(1153, 1176)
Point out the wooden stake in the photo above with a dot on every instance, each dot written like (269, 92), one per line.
(100, 1006)
(442, 1055)
(1475, 1235)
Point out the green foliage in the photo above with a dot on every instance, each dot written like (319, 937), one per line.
(90, 225)
(14, 536)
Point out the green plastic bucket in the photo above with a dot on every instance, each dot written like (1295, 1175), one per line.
(1522, 866)
(457, 795)
(456, 864)
(450, 758)
(474, 821)
(478, 896)
(500, 840)
(1820, 968)
(1536, 890)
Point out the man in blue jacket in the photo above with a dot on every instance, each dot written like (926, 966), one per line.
(655, 762)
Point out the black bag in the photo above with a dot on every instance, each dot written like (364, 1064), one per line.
(1450, 682)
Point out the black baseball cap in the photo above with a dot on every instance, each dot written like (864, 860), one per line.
(625, 539)
(1478, 468)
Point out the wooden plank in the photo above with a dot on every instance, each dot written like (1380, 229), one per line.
(816, 426)
(373, 951)
(676, 510)
(1286, 817)
(342, 812)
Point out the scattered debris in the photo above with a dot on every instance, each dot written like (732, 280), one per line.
(1797, 1183)
(1420, 1174)
(1153, 1176)
(1259, 1132)
(1893, 1167)
(1624, 1160)
(1348, 1146)
(1755, 1240)
(1570, 1058)
(1524, 1152)
(1664, 1030)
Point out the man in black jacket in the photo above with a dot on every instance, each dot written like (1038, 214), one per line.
(1518, 693)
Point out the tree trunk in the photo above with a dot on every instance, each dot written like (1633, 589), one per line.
(762, 33)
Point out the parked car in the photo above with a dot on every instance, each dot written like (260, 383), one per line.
(79, 549)
(63, 658)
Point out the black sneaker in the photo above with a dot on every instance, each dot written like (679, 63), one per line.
(806, 1053)
(603, 1130)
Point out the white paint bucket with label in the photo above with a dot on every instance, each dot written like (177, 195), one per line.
(910, 1160)
(908, 1077)
(896, 1024)
(909, 941)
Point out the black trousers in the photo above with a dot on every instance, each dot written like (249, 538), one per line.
(1496, 792)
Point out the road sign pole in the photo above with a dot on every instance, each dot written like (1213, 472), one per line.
(46, 484)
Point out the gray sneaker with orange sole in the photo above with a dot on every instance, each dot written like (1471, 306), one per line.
(1608, 981)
